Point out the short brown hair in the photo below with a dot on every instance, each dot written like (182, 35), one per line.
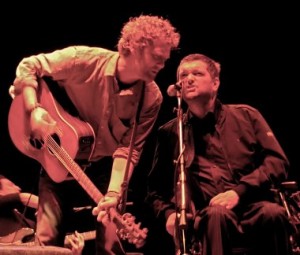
(213, 67)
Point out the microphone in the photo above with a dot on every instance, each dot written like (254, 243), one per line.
(173, 89)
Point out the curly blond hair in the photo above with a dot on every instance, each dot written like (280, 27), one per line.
(141, 31)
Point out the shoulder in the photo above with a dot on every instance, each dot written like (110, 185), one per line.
(242, 112)
(241, 108)
(73, 52)
(91, 51)
(170, 125)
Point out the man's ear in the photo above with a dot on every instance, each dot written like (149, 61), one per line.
(216, 84)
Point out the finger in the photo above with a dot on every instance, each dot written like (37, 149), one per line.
(95, 211)
(72, 242)
(228, 207)
(214, 199)
(101, 215)
(107, 202)
(106, 219)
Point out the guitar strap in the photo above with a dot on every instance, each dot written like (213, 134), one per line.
(124, 187)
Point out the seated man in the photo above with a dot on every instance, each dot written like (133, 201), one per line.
(231, 161)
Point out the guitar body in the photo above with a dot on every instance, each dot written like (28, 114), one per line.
(75, 136)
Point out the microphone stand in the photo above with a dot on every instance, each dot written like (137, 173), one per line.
(181, 183)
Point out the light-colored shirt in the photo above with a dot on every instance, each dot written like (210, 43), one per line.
(88, 74)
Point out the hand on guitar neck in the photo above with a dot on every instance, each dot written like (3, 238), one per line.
(76, 241)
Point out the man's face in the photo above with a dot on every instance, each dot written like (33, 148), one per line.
(151, 59)
(196, 80)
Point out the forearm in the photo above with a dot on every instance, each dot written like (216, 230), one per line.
(30, 98)
(118, 174)
(30, 200)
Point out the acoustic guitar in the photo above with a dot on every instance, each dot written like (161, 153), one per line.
(57, 153)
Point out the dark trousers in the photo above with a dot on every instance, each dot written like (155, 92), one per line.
(56, 210)
(264, 224)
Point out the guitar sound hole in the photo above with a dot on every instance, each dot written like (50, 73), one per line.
(28, 238)
(36, 143)
(39, 143)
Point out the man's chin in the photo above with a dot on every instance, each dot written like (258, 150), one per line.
(189, 96)
(149, 78)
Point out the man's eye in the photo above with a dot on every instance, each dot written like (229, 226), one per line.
(183, 75)
(158, 58)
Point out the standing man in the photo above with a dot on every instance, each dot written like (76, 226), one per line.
(110, 90)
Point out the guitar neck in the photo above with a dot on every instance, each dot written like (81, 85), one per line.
(74, 169)
(80, 176)
(89, 235)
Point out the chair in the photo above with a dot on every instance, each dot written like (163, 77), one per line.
(289, 197)
(290, 200)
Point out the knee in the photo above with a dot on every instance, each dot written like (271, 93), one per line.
(273, 211)
(216, 216)
(217, 212)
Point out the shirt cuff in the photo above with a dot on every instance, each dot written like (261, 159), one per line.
(241, 189)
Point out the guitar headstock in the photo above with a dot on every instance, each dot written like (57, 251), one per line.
(132, 231)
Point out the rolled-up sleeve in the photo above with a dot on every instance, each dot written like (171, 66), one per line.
(57, 65)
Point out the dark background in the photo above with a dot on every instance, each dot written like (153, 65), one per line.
(257, 45)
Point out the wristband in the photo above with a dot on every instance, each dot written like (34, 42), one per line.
(113, 194)
(36, 105)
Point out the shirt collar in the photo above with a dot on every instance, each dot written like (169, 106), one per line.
(210, 116)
